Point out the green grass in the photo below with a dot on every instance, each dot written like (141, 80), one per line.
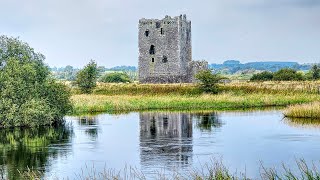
(113, 98)
(224, 101)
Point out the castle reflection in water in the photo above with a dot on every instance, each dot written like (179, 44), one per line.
(166, 136)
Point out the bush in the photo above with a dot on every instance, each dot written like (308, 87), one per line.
(208, 81)
(287, 74)
(263, 76)
(87, 77)
(29, 97)
(115, 78)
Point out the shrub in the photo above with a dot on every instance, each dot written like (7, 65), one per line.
(287, 74)
(29, 97)
(208, 81)
(87, 77)
(263, 76)
(115, 78)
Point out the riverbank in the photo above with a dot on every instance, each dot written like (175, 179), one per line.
(113, 98)
(224, 101)
(308, 110)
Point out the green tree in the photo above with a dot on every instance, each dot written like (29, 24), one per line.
(208, 81)
(115, 77)
(29, 96)
(263, 76)
(287, 74)
(69, 73)
(87, 77)
(315, 72)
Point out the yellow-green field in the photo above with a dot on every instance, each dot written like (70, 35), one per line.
(136, 97)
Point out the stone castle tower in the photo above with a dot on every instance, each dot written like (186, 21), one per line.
(165, 52)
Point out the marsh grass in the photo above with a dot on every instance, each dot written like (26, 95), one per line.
(126, 97)
(223, 101)
(270, 87)
(273, 87)
(308, 110)
(214, 170)
(143, 89)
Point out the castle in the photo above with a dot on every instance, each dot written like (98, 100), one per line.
(165, 52)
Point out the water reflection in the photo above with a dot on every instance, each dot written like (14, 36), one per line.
(90, 126)
(302, 122)
(23, 148)
(207, 121)
(166, 137)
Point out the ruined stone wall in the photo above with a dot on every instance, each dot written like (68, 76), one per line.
(185, 43)
(165, 50)
(195, 67)
(164, 62)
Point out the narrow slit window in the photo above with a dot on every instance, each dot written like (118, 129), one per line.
(161, 30)
(146, 33)
(152, 60)
(152, 49)
(165, 59)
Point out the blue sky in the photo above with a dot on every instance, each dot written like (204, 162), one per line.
(71, 32)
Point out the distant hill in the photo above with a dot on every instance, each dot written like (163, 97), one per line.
(233, 66)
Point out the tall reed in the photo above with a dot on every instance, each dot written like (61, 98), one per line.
(309, 110)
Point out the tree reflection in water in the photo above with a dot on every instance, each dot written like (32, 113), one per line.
(90, 125)
(207, 121)
(21, 149)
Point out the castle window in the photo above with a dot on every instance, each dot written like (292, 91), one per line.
(165, 59)
(146, 33)
(152, 60)
(158, 24)
(161, 30)
(152, 49)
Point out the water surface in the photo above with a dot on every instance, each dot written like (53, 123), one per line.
(160, 142)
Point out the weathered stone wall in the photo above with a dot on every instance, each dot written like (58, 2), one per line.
(195, 67)
(165, 50)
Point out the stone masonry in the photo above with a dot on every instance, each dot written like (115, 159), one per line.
(165, 52)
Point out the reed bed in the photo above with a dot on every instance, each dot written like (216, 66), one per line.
(145, 89)
(223, 101)
(270, 87)
(308, 110)
(273, 87)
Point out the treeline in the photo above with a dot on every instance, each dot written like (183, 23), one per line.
(288, 74)
(235, 66)
(69, 73)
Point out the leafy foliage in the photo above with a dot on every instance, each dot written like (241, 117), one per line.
(115, 77)
(29, 97)
(315, 72)
(263, 76)
(87, 77)
(287, 74)
(208, 81)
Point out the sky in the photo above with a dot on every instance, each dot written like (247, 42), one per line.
(71, 32)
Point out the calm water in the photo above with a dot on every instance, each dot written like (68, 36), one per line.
(160, 142)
